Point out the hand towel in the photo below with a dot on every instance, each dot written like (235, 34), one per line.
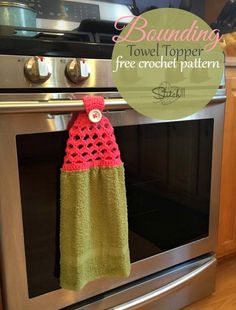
(93, 223)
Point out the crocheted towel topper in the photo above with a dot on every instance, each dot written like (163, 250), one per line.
(94, 225)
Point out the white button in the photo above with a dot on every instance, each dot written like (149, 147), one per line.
(95, 116)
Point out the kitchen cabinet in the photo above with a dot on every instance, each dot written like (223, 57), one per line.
(1, 305)
(227, 220)
(213, 9)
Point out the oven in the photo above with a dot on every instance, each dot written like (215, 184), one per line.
(173, 186)
(172, 168)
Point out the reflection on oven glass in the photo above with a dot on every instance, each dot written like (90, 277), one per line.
(40, 157)
(168, 176)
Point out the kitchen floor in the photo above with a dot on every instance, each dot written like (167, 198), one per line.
(225, 295)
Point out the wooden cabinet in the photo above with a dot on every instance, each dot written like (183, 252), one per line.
(213, 9)
(1, 305)
(227, 222)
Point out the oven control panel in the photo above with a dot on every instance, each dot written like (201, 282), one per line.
(38, 70)
(31, 72)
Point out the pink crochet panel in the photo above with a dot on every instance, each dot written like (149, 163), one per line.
(91, 144)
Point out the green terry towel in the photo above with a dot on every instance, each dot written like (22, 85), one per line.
(94, 226)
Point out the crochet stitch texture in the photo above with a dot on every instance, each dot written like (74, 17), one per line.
(91, 144)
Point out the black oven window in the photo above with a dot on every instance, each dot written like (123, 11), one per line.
(40, 157)
(168, 177)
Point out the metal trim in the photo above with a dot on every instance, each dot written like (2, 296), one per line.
(166, 289)
(67, 105)
(17, 5)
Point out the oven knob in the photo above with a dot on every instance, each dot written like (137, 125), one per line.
(37, 70)
(77, 70)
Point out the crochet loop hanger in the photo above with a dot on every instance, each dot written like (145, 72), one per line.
(94, 107)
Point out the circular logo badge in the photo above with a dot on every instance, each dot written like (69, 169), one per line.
(167, 63)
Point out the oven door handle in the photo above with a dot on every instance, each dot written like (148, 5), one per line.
(164, 290)
(113, 104)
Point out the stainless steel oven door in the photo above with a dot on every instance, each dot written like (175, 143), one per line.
(13, 128)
